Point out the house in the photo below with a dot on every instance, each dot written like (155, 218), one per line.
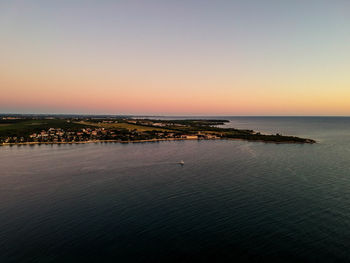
(210, 136)
(158, 124)
(189, 137)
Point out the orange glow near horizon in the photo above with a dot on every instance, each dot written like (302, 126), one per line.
(159, 64)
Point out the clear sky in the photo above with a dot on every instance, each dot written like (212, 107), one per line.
(179, 57)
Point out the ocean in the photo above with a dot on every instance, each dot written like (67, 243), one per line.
(231, 201)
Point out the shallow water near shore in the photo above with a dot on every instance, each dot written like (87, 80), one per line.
(133, 202)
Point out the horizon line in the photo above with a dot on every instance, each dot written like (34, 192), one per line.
(165, 115)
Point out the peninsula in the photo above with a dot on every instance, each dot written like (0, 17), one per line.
(25, 129)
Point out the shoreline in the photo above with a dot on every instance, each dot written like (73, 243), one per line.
(275, 142)
(96, 141)
(150, 140)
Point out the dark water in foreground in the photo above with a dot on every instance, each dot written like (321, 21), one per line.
(133, 203)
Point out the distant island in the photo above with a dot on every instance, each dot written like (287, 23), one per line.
(84, 129)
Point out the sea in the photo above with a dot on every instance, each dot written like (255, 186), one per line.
(232, 200)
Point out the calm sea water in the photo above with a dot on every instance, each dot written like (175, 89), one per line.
(134, 203)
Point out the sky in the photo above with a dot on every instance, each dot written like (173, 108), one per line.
(180, 57)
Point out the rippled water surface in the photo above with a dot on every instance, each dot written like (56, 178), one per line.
(133, 203)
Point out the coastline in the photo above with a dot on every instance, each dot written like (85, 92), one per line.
(275, 142)
(97, 141)
(151, 140)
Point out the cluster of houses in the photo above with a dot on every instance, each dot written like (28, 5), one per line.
(200, 136)
(100, 133)
(60, 135)
(11, 118)
(155, 124)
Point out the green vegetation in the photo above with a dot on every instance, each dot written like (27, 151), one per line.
(269, 138)
(24, 127)
(122, 125)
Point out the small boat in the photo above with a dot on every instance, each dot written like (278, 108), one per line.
(182, 162)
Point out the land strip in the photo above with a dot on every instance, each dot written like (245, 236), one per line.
(48, 130)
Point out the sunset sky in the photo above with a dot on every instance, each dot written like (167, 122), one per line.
(180, 57)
